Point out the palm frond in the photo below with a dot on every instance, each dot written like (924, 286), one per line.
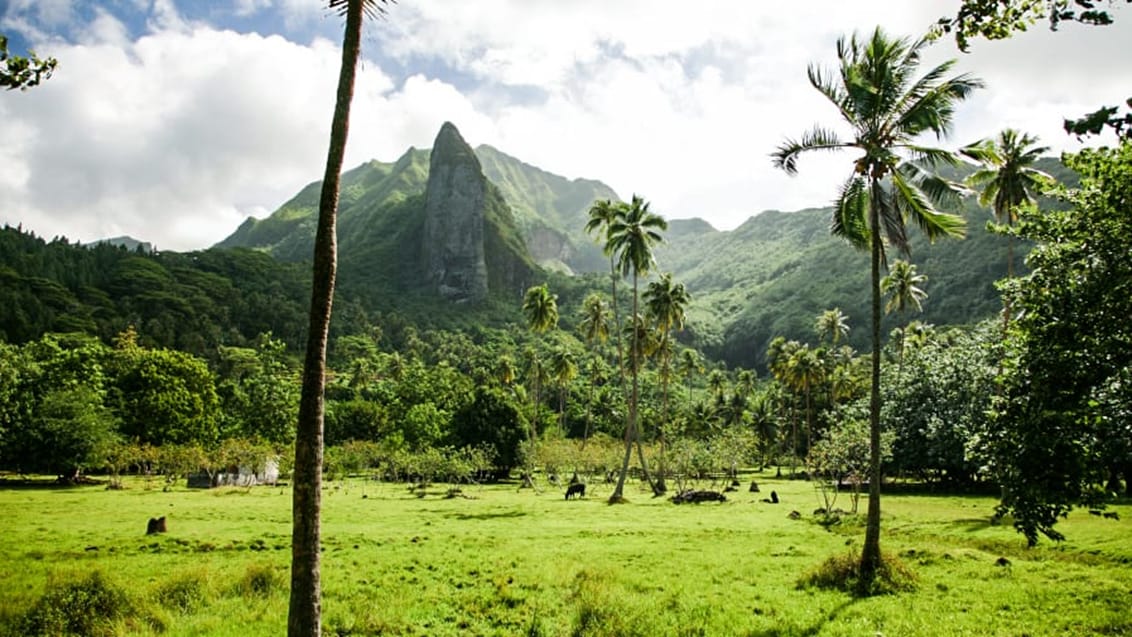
(851, 213)
(891, 215)
(933, 111)
(939, 190)
(912, 203)
(373, 9)
(818, 138)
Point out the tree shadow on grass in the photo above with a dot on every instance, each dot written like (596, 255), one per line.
(485, 516)
(973, 525)
(807, 631)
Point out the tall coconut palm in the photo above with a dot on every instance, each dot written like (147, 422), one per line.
(745, 382)
(563, 369)
(804, 371)
(1007, 179)
(631, 238)
(779, 357)
(666, 303)
(887, 107)
(833, 324)
(603, 214)
(689, 366)
(595, 329)
(902, 285)
(304, 613)
(505, 370)
(541, 309)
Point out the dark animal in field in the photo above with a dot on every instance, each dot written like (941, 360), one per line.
(577, 490)
(794, 515)
(773, 499)
(156, 525)
(696, 497)
(1112, 515)
(735, 483)
(754, 487)
(1096, 512)
(1002, 561)
(729, 489)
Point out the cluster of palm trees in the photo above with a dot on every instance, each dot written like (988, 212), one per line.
(628, 232)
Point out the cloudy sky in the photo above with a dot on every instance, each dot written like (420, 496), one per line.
(174, 120)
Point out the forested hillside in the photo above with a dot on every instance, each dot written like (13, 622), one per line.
(192, 302)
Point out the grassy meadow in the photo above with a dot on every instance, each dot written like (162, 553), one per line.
(503, 561)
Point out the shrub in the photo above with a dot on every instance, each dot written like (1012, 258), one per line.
(185, 593)
(91, 607)
(260, 580)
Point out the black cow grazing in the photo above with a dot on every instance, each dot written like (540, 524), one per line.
(773, 499)
(754, 487)
(155, 525)
(578, 490)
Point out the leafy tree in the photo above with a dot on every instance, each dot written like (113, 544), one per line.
(65, 435)
(304, 615)
(877, 93)
(494, 421)
(23, 72)
(1068, 348)
(162, 396)
(356, 419)
(938, 409)
(631, 238)
(998, 19)
(844, 455)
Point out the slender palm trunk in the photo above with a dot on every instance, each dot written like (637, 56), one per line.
(589, 411)
(809, 418)
(660, 486)
(304, 616)
(535, 405)
(635, 396)
(562, 410)
(631, 422)
(870, 553)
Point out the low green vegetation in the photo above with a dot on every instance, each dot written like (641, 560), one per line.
(498, 560)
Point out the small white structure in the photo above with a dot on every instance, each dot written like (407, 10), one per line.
(237, 476)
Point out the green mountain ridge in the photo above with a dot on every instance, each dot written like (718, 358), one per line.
(771, 276)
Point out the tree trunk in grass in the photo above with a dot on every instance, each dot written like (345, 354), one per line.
(304, 616)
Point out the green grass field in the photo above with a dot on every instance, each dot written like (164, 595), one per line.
(506, 562)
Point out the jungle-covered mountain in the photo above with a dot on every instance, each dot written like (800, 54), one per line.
(452, 237)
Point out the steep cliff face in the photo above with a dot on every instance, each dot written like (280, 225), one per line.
(453, 242)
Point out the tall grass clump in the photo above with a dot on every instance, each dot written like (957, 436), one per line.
(92, 606)
(186, 593)
(260, 580)
(842, 573)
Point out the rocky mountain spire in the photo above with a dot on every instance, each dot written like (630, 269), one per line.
(453, 242)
